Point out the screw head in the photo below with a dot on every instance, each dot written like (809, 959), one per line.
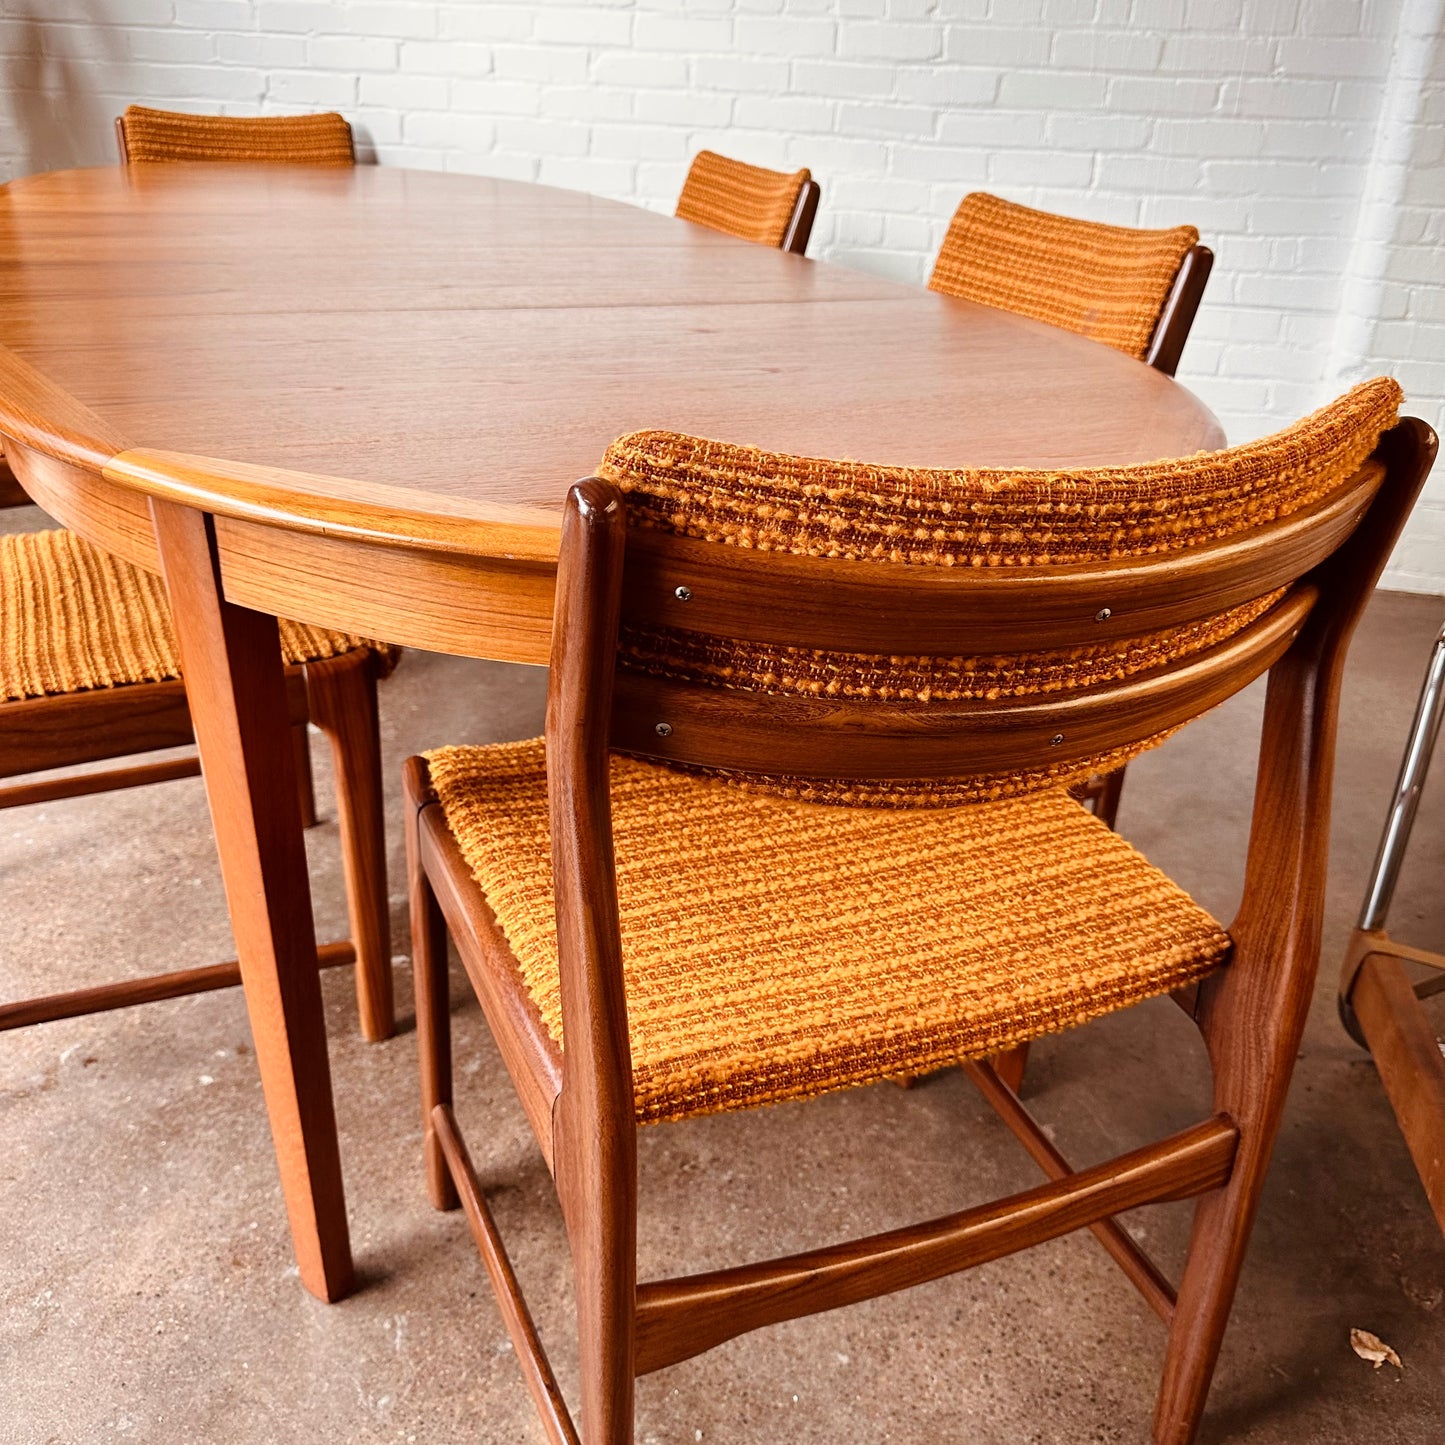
(1103, 614)
(663, 730)
(1056, 740)
(683, 594)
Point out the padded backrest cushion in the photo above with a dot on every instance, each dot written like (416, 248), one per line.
(976, 518)
(741, 200)
(163, 135)
(1108, 283)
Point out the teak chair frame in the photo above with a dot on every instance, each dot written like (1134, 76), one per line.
(1181, 306)
(1251, 1012)
(800, 226)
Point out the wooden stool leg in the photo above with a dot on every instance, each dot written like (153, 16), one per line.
(341, 698)
(433, 1004)
(231, 659)
(306, 787)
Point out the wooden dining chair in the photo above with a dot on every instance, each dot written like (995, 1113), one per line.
(787, 828)
(89, 671)
(771, 208)
(1137, 291)
(147, 135)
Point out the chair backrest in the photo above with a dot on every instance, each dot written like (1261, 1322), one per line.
(1134, 290)
(771, 208)
(162, 135)
(849, 633)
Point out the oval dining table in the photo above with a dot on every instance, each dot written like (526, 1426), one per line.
(361, 343)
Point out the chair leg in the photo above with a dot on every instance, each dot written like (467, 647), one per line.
(604, 1261)
(301, 741)
(1217, 1243)
(1010, 1066)
(1106, 805)
(1251, 1083)
(433, 1004)
(341, 699)
(596, 1171)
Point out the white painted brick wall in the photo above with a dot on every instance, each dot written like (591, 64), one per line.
(1305, 138)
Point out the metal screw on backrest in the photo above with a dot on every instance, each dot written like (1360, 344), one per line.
(1103, 615)
(663, 730)
(683, 594)
(1056, 740)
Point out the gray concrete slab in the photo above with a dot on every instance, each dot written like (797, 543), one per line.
(146, 1287)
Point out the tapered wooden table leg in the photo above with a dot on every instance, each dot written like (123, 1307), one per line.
(231, 660)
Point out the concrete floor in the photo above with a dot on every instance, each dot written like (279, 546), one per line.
(147, 1291)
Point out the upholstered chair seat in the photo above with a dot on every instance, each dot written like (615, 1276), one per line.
(779, 950)
(77, 618)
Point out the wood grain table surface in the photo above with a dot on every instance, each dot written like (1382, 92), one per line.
(486, 339)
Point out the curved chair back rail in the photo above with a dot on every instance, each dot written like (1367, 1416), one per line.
(738, 592)
(144, 134)
(763, 733)
(771, 208)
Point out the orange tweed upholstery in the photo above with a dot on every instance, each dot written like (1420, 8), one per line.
(742, 200)
(307, 140)
(970, 518)
(1108, 283)
(777, 950)
(73, 618)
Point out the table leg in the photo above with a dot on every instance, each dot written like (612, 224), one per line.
(231, 660)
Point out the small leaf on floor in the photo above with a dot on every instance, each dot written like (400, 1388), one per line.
(1373, 1348)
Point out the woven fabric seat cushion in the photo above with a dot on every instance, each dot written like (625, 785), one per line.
(776, 950)
(307, 140)
(976, 518)
(74, 618)
(742, 200)
(1108, 283)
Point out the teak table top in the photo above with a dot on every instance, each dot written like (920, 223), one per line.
(486, 339)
